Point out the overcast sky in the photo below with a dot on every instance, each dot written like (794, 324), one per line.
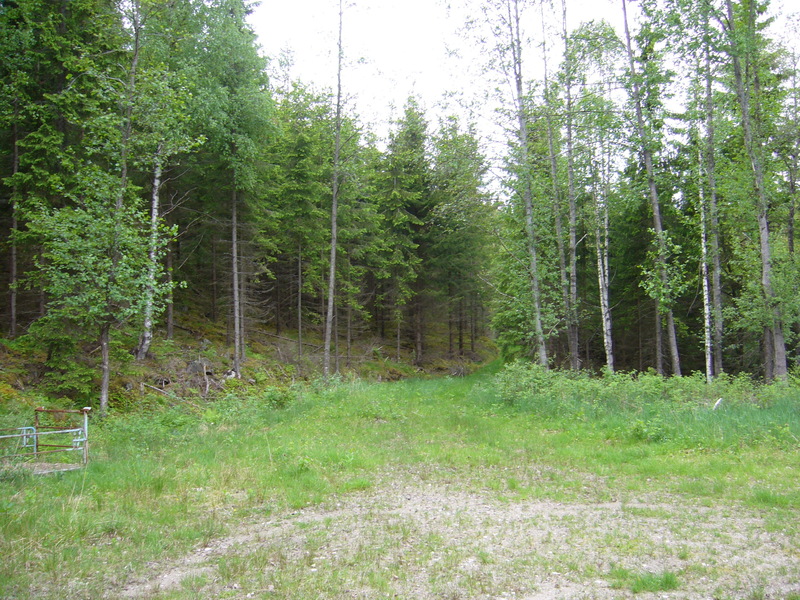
(393, 49)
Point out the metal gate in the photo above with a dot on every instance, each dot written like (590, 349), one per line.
(54, 432)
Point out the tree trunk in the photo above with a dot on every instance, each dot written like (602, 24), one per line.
(146, 337)
(170, 294)
(300, 300)
(601, 250)
(522, 119)
(769, 354)
(336, 353)
(237, 331)
(242, 310)
(713, 213)
(397, 337)
(572, 313)
(349, 335)
(659, 339)
(707, 325)
(13, 260)
(105, 367)
(214, 282)
(326, 361)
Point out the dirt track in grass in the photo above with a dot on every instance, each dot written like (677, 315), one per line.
(417, 536)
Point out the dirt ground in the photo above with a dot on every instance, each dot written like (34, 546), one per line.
(415, 537)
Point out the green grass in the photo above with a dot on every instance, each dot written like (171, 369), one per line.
(165, 483)
(643, 582)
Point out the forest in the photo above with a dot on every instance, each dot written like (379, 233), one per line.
(156, 172)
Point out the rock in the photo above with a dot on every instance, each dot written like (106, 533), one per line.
(199, 367)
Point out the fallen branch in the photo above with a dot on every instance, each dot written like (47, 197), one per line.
(152, 387)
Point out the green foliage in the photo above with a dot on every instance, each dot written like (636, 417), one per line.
(675, 282)
(94, 258)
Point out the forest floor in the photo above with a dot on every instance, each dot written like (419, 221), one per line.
(428, 533)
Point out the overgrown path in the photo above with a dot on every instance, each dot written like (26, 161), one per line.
(518, 485)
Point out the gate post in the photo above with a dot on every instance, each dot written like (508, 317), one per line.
(85, 410)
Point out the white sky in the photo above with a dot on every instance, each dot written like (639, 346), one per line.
(393, 49)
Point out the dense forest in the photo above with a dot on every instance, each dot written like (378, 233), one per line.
(153, 173)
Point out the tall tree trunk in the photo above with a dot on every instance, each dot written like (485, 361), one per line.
(326, 361)
(214, 281)
(774, 335)
(336, 353)
(300, 299)
(572, 313)
(601, 250)
(146, 337)
(768, 341)
(713, 210)
(170, 294)
(647, 155)
(242, 310)
(13, 260)
(522, 119)
(707, 320)
(237, 330)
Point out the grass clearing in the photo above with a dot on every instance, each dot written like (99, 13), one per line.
(421, 488)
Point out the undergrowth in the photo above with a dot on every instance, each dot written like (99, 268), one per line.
(686, 412)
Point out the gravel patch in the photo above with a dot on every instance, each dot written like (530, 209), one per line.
(418, 537)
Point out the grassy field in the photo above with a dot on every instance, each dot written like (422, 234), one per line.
(517, 484)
